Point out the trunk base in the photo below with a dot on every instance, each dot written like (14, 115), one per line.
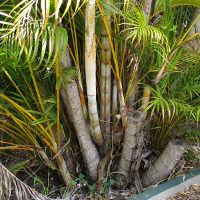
(165, 163)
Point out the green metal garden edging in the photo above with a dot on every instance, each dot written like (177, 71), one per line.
(171, 187)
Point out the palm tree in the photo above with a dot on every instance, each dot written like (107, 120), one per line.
(35, 46)
(26, 32)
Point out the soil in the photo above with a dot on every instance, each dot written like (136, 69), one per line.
(33, 173)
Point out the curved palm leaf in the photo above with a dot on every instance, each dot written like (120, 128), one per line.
(139, 28)
(24, 13)
(179, 91)
(185, 2)
(32, 43)
(170, 106)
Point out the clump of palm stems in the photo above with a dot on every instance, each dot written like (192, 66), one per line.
(66, 59)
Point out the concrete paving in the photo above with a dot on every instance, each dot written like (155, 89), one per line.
(171, 187)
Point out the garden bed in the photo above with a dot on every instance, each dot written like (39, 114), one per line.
(47, 181)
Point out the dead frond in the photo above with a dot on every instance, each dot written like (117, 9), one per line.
(12, 188)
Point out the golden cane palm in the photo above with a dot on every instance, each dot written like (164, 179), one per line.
(26, 35)
(133, 46)
(27, 124)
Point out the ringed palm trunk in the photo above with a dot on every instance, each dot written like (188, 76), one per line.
(196, 27)
(133, 84)
(165, 163)
(133, 73)
(131, 99)
(145, 100)
(105, 79)
(72, 102)
(146, 91)
(123, 109)
(90, 70)
(147, 6)
(132, 131)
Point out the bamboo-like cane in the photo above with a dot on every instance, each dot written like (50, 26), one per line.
(90, 70)
(105, 79)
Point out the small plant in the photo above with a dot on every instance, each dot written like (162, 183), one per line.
(80, 182)
(107, 183)
(45, 189)
(191, 156)
(193, 135)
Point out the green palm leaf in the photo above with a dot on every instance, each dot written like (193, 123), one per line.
(139, 28)
(34, 43)
(159, 6)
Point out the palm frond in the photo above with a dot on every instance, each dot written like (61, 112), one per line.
(172, 106)
(139, 29)
(12, 187)
(32, 43)
(25, 13)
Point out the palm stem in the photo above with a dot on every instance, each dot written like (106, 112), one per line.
(105, 80)
(114, 98)
(90, 70)
(147, 7)
(58, 103)
(72, 101)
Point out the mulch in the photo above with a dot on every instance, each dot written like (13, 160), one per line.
(191, 193)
